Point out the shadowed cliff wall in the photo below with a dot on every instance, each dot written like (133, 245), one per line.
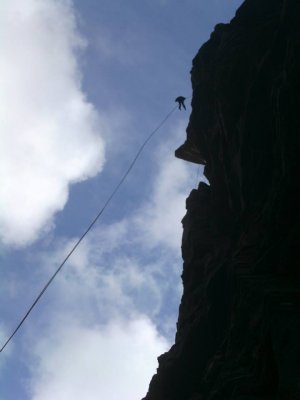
(238, 331)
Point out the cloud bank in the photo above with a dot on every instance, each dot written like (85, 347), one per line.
(112, 310)
(110, 363)
(159, 220)
(50, 133)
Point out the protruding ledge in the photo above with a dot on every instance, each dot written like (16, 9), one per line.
(189, 152)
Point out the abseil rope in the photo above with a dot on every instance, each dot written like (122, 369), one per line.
(88, 229)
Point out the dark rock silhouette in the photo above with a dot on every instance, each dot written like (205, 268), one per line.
(238, 331)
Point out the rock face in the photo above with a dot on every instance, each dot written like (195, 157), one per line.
(238, 331)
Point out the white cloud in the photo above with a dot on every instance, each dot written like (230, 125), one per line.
(116, 264)
(99, 325)
(50, 133)
(116, 268)
(112, 362)
(160, 219)
(106, 282)
(115, 301)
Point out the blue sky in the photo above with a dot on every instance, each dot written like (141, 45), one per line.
(83, 83)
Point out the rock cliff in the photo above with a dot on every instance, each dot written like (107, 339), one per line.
(238, 331)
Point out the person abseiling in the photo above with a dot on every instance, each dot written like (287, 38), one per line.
(180, 101)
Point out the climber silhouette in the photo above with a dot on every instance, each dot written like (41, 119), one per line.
(180, 101)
